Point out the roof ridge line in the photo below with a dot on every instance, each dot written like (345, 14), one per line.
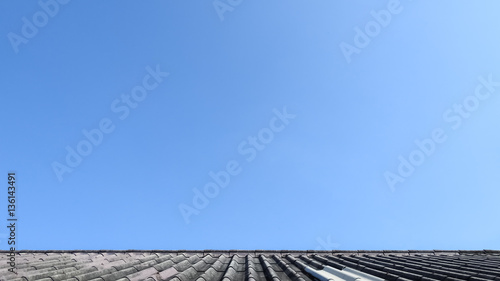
(235, 251)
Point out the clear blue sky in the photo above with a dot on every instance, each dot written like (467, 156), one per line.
(332, 172)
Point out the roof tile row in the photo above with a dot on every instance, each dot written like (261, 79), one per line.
(249, 265)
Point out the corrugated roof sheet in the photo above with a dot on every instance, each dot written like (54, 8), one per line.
(256, 265)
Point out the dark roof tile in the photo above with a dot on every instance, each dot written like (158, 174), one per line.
(258, 265)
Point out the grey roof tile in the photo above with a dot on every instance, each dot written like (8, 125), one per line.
(143, 274)
(239, 265)
(186, 275)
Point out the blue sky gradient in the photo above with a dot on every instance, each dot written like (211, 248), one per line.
(318, 180)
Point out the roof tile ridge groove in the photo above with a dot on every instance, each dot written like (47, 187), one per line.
(397, 261)
(93, 258)
(293, 261)
(203, 264)
(216, 266)
(129, 263)
(178, 259)
(38, 275)
(166, 274)
(67, 274)
(72, 264)
(147, 258)
(313, 263)
(165, 266)
(299, 265)
(452, 263)
(394, 268)
(290, 272)
(482, 266)
(268, 269)
(250, 272)
(390, 268)
(29, 264)
(111, 264)
(168, 262)
(375, 270)
(230, 272)
(437, 268)
(144, 265)
(186, 268)
(475, 271)
(142, 274)
(163, 257)
(115, 275)
(70, 272)
(326, 261)
(416, 269)
(109, 259)
(438, 265)
(131, 266)
(182, 263)
(446, 252)
(42, 265)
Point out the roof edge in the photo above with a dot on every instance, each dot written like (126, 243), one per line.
(308, 252)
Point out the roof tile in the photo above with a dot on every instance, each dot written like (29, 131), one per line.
(258, 265)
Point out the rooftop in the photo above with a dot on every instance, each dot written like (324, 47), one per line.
(208, 265)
